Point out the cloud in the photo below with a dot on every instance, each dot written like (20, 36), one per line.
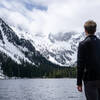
(50, 16)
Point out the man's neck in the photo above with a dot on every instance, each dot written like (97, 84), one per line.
(89, 34)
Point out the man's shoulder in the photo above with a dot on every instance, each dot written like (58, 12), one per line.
(88, 40)
(83, 42)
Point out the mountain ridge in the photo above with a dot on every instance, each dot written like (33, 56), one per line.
(19, 52)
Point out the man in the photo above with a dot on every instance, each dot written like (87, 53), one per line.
(88, 63)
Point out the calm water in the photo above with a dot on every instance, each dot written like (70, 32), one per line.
(39, 89)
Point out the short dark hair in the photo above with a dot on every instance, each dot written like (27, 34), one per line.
(90, 26)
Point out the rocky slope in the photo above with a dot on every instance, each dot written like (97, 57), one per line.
(15, 50)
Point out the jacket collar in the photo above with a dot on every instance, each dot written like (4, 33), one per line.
(91, 36)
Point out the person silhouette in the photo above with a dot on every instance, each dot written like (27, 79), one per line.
(88, 62)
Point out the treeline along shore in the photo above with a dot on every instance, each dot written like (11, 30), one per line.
(27, 70)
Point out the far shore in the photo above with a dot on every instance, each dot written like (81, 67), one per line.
(34, 78)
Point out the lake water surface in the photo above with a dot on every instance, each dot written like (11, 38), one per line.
(39, 89)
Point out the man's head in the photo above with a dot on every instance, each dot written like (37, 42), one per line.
(90, 27)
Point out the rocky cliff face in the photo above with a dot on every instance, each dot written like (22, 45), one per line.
(18, 49)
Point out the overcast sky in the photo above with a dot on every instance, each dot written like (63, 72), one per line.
(50, 16)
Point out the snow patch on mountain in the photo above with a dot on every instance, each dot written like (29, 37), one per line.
(11, 50)
(2, 76)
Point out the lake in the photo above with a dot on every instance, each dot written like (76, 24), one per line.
(40, 89)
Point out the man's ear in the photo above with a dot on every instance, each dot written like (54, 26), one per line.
(86, 32)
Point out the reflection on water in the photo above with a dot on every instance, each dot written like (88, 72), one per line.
(39, 89)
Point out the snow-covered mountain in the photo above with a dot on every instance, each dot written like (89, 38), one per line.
(60, 48)
(18, 49)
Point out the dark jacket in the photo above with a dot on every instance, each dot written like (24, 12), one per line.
(88, 59)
